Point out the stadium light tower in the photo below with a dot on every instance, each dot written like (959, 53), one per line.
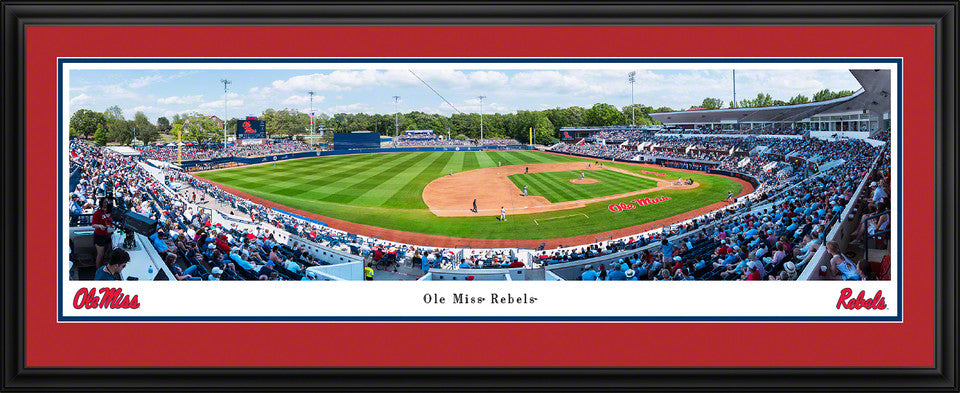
(225, 83)
(396, 116)
(734, 89)
(737, 124)
(311, 118)
(481, 117)
(632, 77)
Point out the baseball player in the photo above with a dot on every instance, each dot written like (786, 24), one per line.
(451, 171)
(474, 205)
(581, 175)
(503, 214)
(524, 190)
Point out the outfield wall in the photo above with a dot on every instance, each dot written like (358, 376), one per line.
(186, 165)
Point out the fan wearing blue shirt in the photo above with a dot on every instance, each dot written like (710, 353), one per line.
(588, 274)
(616, 275)
(157, 243)
(666, 248)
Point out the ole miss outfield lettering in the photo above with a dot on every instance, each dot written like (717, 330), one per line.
(619, 207)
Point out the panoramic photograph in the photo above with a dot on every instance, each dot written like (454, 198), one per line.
(461, 172)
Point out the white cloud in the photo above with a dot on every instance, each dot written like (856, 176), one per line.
(335, 81)
(346, 80)
(488, 78)
(80, 99)
(351, 108)
(180, 100)
(128, 113)
(219, 104)
(555, 81)
(472, 105)
(143, 81)
(302, 100)
(602, 85)
(116, 92)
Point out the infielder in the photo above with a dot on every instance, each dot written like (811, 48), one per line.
(503, 214)
(524, 190)
(581, 175)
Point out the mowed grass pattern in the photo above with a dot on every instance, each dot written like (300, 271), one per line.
(379, 180)
(557, 187)
(393, 204)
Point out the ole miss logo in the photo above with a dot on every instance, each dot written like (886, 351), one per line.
(849, 303)
(107, 298)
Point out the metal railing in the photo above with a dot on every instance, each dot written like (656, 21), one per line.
(835, 232)
(867, 236)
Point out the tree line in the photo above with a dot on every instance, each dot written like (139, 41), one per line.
(764, 100)
(110, 126)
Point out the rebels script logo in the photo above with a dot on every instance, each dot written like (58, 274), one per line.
(108, 298)
(859, 302)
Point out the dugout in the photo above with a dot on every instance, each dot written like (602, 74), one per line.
(356, 140)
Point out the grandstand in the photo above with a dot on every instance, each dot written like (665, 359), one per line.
(821, 174)
(865, 111)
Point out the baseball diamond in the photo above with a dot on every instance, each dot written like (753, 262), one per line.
(765, 189)
(414, 192)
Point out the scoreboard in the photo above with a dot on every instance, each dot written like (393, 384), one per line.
(251, 129)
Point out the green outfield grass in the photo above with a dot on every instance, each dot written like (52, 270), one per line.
(385, 190)
(557, 187)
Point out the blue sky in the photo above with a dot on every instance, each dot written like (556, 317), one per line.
(167, 92)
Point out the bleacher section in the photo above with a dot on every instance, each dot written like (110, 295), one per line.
(774, 233)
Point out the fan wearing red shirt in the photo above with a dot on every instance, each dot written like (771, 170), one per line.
(754, 272)
(102, 227)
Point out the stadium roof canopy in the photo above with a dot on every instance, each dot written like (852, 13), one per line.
(873, 95)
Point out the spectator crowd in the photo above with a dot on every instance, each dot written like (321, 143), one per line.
(187, 153)
(773, 241)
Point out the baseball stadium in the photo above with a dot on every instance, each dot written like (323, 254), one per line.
(792, 191)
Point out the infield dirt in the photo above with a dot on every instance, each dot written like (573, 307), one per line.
(453, 195)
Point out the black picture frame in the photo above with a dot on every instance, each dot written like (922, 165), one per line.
(19, 14)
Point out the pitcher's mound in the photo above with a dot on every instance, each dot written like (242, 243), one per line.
(584, 181)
